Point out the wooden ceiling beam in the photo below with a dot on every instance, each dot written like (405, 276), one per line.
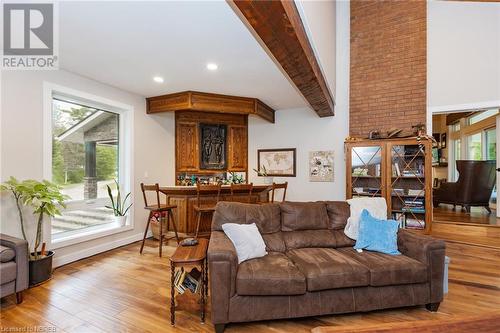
(207, 102)
(277, 25)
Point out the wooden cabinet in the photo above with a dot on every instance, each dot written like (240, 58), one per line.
(187, 150)
(399, 170)
(187, 142)
(237, 148)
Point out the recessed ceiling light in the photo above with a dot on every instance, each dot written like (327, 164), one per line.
(158, 79)
(212, 66)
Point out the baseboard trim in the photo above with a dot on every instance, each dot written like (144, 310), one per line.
(91, 251)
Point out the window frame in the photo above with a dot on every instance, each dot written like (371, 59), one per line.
(125, 163)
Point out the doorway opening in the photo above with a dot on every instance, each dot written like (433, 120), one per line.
(465, 167)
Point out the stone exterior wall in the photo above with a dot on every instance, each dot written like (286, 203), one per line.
(106, 130)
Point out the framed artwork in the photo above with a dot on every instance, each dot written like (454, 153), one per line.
(277, 162)
(213, 146)
(321, 166)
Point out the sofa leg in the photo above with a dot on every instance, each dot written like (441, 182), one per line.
(219, 328)
(467, 208)
(433, 307)
(488, 209)
(19, 297)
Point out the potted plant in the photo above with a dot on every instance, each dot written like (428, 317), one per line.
(262, 172)
(45, 198)
(118, 205)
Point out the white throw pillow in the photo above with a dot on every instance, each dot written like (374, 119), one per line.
(377, 207)
(246, 239)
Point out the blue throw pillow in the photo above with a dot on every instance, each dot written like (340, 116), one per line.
(377, 235)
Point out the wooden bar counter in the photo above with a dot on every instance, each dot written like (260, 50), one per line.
(185, 198)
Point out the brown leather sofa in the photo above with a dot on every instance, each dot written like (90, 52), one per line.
(311, 268)
(473, 187)
(13, 266)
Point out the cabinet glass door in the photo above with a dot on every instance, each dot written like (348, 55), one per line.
(366, 171)
(408, 185)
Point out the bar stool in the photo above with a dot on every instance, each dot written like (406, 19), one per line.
(158, 208)
(279, 186)
(244, 189)
(203, 191)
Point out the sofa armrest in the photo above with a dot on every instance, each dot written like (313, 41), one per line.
(20, 246)
(428, 251)
(223, 265)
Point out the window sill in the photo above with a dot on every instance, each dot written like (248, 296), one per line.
(88, 235)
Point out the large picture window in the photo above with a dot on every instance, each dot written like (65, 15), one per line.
(86, 158)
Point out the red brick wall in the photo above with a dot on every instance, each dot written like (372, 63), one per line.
(388, 65)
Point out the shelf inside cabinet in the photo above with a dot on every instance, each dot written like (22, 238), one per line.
(365, 194)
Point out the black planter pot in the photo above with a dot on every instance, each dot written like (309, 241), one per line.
(41, 269)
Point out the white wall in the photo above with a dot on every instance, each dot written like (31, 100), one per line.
(22, 147)
(304, 130)
(319, 19)
(463, 45)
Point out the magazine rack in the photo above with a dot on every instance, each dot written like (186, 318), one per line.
(181, 281)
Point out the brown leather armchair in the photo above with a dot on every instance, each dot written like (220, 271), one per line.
(473, 188)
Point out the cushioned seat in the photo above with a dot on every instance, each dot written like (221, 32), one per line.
(273, 274)
(8, 271)
(326, 268)
(6, 254)
(387, 269)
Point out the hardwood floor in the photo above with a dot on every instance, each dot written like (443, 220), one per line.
(123, 291)
(476, 228)
(478, 215)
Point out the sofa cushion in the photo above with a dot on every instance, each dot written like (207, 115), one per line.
(326, 268)
(246, 239)
(303, 216)
(273, 274)
(267, 217)
(387, 269)
(338, 213)
(274, 242)
(6, 254)
(8, 271)
(316, 238)
(308, 238)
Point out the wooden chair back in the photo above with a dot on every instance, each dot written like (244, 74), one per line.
(242, 189)
(207, 190)
(151, 188)
(275, 187)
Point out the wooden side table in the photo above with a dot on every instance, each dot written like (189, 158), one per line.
(190, 256)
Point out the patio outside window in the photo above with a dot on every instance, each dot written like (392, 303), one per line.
(85, 146)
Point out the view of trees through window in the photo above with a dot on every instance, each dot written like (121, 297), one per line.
(84, 137)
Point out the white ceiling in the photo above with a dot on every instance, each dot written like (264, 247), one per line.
(125, 44)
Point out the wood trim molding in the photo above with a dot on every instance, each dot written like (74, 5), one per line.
(207, 102)
(277, 25)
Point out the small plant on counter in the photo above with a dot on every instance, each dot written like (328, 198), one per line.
(118, 205)
(262, 172)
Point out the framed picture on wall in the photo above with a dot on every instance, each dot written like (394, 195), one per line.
(279, 162)
(321, 166)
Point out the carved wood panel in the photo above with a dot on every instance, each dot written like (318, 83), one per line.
(187, 151)
(238, 148)
(188, 141)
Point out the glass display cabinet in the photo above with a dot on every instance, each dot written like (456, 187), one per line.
(399, 170)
